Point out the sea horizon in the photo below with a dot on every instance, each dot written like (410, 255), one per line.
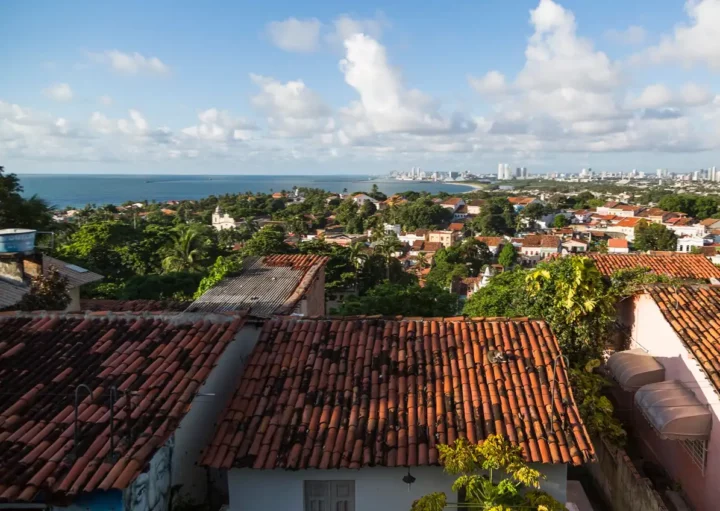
(78, 190)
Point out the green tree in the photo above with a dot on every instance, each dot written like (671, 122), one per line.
(508, 256)
(222, 267)
(387, 248)
(48, 291)
(17, 212)
(400, 299)
(185, 252)
(475, 466)
(652, 236)
(560, 221)
(268, 240)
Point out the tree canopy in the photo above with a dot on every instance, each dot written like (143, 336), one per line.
(18, 212)
(407, 300)
(652, 236)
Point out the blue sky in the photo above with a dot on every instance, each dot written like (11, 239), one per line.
(334, 87)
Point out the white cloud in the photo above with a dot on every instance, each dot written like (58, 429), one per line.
(344, 27)
(294, 35)
(694, 42)
(105, 100)
(493, 82)
(220, 125)
(130, 63)
(385, 104)
(59, 92)
(292, 109)
(658, 96)
(632, 35)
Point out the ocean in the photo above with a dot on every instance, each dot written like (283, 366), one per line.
(77, 190)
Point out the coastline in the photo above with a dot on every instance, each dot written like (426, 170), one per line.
(474, 186)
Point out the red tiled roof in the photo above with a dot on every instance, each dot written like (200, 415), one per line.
(354, 392)
(541, 240)
(452, 201)
(133, 305)
(629, 222)
(709, 221)
(617, 243)
(158, 364)
(694, 314)
(520, 200)
(456, 226)
(491, 241)
(678, 265)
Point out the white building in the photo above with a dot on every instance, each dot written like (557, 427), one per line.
(221, 220)
(504, 172)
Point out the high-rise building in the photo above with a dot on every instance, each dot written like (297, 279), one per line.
(504, 172)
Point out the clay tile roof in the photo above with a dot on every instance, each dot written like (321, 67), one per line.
(491, 241)
(628, 222)
(360, 392)
(133, 305)
(432, 246)
(709, 221)
(268, 285)
(617, 243)
(452, 201)
(456, 226)
(694, 314)
(677, 265)
(520, 200)
(541, 240)
(418, 244)
(157, 365)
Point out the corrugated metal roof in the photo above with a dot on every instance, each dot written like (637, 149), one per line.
(11, 293)
(266, 285)
(75, 275)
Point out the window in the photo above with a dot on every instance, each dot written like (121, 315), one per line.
(329, 495)
(697, 449)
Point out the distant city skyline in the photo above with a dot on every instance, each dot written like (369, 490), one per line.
(324, 88)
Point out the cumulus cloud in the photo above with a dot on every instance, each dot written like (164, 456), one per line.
(385, 104)
(695, 41)
(659, 96)
(294, 35)
(130, 63)
(220, 125)
(345, 26)
(493, 82)
(59, 92)
(632, 35)
(292, 108)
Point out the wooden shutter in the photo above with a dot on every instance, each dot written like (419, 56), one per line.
(343, 495)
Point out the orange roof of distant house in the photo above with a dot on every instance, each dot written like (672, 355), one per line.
(606, 218)
(520, 201)
(628, 222)
(452, 201)
(694, 313)
(541, 240)
(278, 195)
(617, 243)
(612, 204)
(490, 241)
(657, 212)
(677, 265)
(443, 384)
(709, 221)
(456, 226)
(680, 221)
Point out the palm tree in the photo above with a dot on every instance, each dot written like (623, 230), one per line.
(251, 226)
(386, 248)
(358, 258)
(421, 260)
(184, 252)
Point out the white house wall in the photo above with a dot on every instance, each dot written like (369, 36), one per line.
(198, 426)
(376, 489)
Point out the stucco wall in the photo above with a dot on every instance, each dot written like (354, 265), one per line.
(74, 305)
(376, 489)
(654, 334)
(314, 302)
(198, 426)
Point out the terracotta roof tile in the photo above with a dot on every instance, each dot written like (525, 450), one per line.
(678, 265)
(694, 313)
(452, 201)
(133, 305)
(617, 243)
(44, 358)
(357, 392)
(629, 222)
(491, 241)
(541, 240)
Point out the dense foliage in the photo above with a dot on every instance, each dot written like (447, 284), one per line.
(652, 236)
(406, 300)
(464, 260)
(475, 467)
(18, 212)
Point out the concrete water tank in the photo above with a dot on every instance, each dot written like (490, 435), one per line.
(17, 240)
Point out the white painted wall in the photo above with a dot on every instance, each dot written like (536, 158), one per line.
(198, 426)
(376, 489)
